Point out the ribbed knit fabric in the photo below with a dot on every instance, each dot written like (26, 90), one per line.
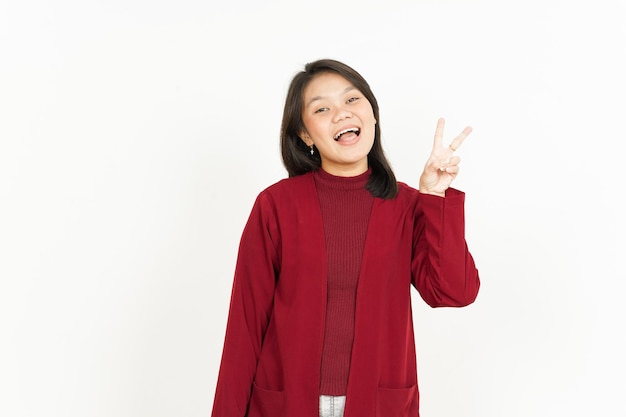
(346, 206)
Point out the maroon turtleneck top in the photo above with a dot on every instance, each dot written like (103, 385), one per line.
(346, 206)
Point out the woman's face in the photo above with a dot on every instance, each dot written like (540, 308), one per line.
(340, 121)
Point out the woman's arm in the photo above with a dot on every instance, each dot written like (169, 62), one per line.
(250, 309)
(443, 269)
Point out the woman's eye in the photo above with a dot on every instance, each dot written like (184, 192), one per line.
(322, 109)
(352, 99)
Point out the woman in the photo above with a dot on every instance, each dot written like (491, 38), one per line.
(320, 315)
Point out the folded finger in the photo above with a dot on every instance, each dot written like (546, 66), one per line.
(454, 169)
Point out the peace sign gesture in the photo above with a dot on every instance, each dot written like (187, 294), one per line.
(442, 166)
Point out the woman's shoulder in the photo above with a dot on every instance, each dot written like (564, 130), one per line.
(406, 192)
(288, 188)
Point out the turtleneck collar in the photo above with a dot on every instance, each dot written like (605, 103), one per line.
(342, 183)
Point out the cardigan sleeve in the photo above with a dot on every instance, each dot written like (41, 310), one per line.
(251, 305)
(443, 270)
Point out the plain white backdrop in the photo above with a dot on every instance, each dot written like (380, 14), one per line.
(135, 135)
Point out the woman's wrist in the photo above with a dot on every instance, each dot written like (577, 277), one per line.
(438, 194)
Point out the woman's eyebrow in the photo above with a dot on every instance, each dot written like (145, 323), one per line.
(316, 98)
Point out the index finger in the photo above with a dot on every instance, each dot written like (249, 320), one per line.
(439, 132)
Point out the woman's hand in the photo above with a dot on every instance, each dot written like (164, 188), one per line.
(442, 166)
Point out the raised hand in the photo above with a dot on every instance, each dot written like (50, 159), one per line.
(442, 166)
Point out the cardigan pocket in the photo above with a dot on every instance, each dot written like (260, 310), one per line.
(265, 402)
(395, 402)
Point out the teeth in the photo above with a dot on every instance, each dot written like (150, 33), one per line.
(352, 129)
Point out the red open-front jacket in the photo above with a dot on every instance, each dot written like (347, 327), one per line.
(272, 351)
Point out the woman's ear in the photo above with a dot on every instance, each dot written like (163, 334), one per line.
(306, 138)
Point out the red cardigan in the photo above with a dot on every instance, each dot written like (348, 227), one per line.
(272, 351)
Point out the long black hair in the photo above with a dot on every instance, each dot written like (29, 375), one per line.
(296, 154)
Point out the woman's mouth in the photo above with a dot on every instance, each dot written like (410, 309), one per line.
(347, 134)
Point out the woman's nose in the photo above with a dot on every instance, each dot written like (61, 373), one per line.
(342, 114)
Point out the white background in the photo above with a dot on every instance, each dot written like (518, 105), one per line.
(135, 135)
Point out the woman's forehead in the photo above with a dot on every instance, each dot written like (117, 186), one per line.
(327, 85)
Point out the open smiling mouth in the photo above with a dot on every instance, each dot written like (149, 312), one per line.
(348, 133)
